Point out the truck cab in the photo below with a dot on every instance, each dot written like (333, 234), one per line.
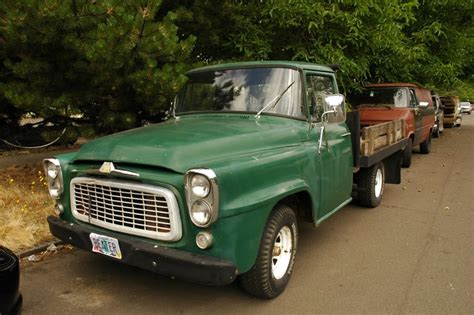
(391, 101)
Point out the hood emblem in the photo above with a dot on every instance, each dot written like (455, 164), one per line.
(109, 168)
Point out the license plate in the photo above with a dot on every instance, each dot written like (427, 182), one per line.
(105, 245)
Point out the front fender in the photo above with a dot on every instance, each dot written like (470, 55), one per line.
(264, 179)
(249, 189)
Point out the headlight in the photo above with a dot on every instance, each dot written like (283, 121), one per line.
(202, 196)
(54, 177)
(52, 171)
(200, 185)
(201, 212)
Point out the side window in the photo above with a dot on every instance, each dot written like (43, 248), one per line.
(413, 102)
(400, 98)
(318, 87)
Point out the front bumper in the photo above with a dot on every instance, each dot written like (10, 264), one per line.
(163, 260)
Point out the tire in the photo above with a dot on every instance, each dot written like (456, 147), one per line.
(370, 186)
(407, 153)
(437, 133)
(272, 271)
(425, 146)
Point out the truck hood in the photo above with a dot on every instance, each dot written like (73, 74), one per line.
(375, 115)
(195, 141)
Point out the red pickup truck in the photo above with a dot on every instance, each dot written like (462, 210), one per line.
(391, 101)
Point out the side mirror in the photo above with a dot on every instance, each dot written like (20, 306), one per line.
(423, 105)
(334, 109)
(334, 100)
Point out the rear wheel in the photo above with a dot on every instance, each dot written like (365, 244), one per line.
(425, 146)
(406, 155)
(370, 186)
(272, 270)
(458, 122)
(436, 133)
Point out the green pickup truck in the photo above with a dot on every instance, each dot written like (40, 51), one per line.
(217, 191)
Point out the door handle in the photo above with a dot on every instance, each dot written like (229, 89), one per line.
(346, 134)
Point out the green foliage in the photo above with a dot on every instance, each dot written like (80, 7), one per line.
(113, 62)
(446, 30)
(426, 42)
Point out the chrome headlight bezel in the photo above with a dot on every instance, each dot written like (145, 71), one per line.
(55, 184)
(211, 198)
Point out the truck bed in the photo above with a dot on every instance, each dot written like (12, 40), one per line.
(375, 143)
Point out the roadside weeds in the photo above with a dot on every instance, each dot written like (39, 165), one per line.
(24, 207)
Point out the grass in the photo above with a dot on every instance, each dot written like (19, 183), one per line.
(24, 207)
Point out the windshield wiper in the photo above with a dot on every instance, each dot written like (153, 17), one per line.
(274, 101)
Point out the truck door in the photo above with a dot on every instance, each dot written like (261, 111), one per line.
(417, 117)
(334, 159)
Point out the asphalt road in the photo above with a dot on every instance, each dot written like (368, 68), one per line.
(412, 254)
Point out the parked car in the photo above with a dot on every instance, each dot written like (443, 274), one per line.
(391, 101)
(215, 192)
(452, 111)
(466, 107)
(10, 297)
(438, 127)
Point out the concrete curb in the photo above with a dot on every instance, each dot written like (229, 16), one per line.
(39, 248)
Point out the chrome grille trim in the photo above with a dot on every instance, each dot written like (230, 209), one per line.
(127, 207)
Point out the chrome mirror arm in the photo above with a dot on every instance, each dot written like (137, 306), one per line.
(320, 144)
(321, 133)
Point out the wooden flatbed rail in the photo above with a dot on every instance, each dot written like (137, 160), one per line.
(377, 137)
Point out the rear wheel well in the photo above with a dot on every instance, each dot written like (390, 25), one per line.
(301, 203)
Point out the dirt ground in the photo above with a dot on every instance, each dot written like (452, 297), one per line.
(12, 158)
(413, 254)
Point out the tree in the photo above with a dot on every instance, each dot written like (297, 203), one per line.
(445, 28)
(113, 63)
(426, 42)
(116, 63)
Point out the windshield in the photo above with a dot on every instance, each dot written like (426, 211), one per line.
(243, 90)
(397, 97)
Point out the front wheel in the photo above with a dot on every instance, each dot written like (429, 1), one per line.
(425, 146)
(370, 185)
(458, 122)
(406, 155)
(272, 270)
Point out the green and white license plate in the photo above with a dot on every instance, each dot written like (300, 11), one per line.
(105, 245)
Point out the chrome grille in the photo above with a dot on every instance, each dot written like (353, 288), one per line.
(131, 208)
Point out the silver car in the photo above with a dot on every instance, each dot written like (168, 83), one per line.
(466, 107)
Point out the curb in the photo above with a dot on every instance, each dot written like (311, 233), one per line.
(39, 248)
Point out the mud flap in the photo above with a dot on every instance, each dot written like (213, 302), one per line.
(392, 165)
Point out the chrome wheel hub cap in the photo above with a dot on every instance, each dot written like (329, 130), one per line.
(281, 253)
(378, 183)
